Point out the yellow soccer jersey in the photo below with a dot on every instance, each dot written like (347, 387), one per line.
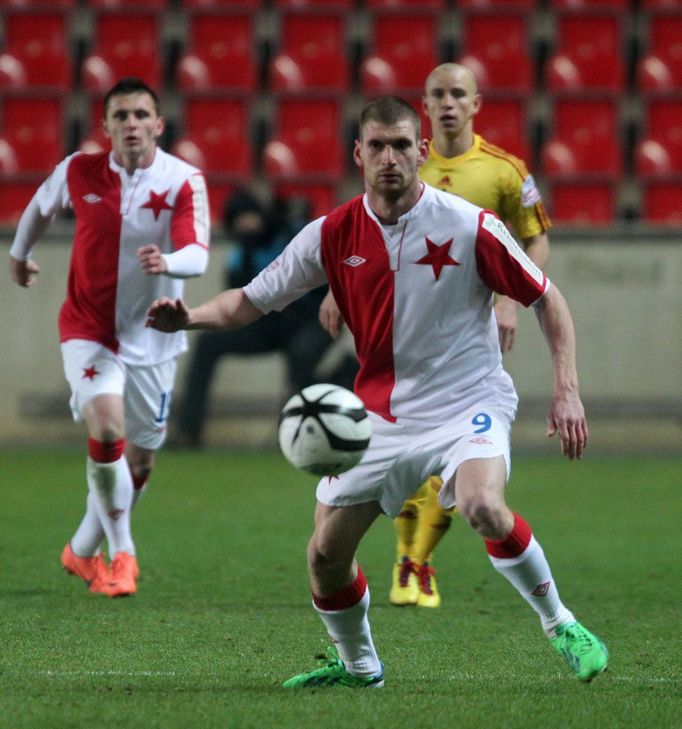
(492, 179)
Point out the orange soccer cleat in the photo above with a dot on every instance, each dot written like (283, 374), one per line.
(123, 573)
(92, 570)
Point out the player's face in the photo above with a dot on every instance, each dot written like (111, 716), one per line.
(133, 125)
(450, 100)
(389, 156)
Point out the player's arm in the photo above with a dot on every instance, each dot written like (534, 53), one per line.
(188, 262)
(230, 309)
(32, 225)
(566, 414)
(506, 309)
(330, 315)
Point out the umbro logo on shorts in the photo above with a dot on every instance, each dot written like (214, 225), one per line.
(92, 198)
(355, 261)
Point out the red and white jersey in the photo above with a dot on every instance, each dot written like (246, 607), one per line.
(417, 297)
(108, 294)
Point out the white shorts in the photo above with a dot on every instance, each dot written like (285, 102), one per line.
(401, 457)
(92, 370)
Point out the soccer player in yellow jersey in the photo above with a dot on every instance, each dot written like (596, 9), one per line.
(463, 163)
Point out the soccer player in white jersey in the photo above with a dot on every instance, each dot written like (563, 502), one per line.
(142, 226)
(413, 269)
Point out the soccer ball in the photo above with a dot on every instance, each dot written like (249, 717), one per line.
(324, 430)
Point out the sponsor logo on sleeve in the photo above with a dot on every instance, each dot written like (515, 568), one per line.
(530, 195)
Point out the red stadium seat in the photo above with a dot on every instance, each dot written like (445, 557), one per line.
(496, 49)
(588, 53)
(37, 50)
(312, 53)
(585, 138)
(660, 69)
(404, 49)
(15, 194)
(215, 136)
(502, 122)
(39, 4)
(583, 202)
(406, 4)
(623, 5)
(220, 54)
(33, 131)
(307, 140)
(222, 4)
(127, 4)
(661, 202)
(125, 44)
(659, 151)
(492, 5)
(315, 4)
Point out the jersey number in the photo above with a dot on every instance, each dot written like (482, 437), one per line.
(484, 422)
(163, 408)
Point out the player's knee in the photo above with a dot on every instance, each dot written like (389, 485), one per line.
(484, 515)
(322, 560)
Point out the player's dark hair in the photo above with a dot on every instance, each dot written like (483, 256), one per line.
(130, 85)
(389, 110)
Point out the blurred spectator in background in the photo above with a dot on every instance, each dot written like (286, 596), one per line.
(258, 234)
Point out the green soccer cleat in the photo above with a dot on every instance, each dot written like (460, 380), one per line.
(584, 652)
(334, 673)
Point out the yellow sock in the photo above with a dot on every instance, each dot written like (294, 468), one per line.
(406, 523)
(433, 521)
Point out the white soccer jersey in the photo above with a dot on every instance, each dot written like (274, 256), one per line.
(108, 294)
(417, 297)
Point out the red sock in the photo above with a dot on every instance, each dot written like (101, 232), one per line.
(514, 543)
(344, 598)
(101, 452)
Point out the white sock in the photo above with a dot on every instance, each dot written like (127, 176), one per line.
(111, 487)
(87, 540)
(350, 631)
(531, 576)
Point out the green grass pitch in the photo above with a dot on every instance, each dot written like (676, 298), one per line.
(223, 612)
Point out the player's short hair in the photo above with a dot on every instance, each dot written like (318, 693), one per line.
(389, 110)
(131, 85)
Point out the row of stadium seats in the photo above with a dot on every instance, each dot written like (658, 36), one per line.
(594, 49)
(343, 4)
(309, 142)
(587, 145)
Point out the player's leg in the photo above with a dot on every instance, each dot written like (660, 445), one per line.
(516, 554)
(96, 378)
(148, 394)
(341, 597)
(432, 523)
(404, 584)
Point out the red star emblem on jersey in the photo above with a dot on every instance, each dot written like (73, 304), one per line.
(89, 373)
(157, 203)
(444, 182)
(438, 256)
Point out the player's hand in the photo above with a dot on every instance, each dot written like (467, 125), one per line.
(506, 313)
(151, 260)
(567, 418)
(330, 316)
(23, 273)
(167, 315)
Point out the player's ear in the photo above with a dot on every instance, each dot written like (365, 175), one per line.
(476, 104)
(160, 126)
(357, 157)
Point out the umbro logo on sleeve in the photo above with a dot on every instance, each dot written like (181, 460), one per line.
(92, 198)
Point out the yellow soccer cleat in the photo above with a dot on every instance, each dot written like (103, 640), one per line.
(405, 588)
(428, 587)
